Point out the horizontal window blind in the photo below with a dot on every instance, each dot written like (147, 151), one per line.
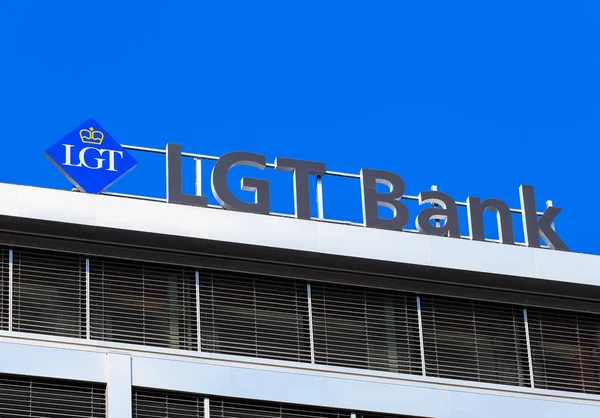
(32, 397)
(472, 340)
(365, 328)
(49, 293)
(237, 408)
(149, 403)
(565, 350)
(143, 303)
(254, 316)
(4, 288)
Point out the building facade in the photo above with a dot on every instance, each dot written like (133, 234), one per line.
(121, 307)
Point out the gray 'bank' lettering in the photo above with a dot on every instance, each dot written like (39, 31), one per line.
(262, 202)
(174, 184)
(447, 212)
(445, 207)
(475, 208)
(301, 169)
(371, 199)
(534, 227)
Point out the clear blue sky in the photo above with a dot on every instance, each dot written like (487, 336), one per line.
(474, 97)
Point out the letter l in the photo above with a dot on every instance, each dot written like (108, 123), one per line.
(68, 156)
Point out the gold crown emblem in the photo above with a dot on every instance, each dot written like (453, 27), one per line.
(90, 136)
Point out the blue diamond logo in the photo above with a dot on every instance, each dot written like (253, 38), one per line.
(90, 158)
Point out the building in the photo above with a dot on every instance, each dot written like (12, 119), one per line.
(121, 307)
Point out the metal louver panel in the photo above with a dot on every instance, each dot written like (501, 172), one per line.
(472, 340)
(149, 403)
(32, 397)
(254, 316)
(565, 350)
(143, 303)
(365, 328)
(4, 288)
(237, 408)
(49, 293)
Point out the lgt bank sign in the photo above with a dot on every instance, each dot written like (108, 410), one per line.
(93, 160)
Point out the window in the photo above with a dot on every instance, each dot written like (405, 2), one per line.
(472, 340)
(149, 403)
(34, 397)
(365, 328)
(49, 293)
(143, 303)
(565, 350)
(238, 408)
(254, 316)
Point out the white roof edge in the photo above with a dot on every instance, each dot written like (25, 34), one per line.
(294, 234)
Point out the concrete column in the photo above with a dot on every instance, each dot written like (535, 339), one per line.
(118, 388)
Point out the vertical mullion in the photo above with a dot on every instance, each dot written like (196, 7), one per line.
(583, 382)
(198, 167)
(529, 357)
(366, 322)
(207, 407)
(257, 351)
(477, 360)
(421, 339)
(320, 211)
(143, 304)
(88, 331)
(310, 324)
(517, 347)
(198, 330)
(353, 415)
(10, 288)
